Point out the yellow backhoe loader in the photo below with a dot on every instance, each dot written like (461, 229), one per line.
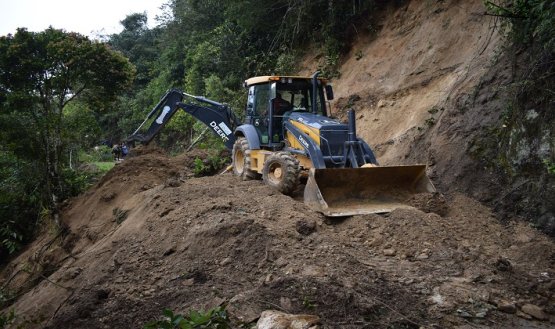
(288, 137)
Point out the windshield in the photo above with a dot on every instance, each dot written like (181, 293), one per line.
(299, 94)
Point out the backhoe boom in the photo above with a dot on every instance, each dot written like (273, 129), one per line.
(218, 117)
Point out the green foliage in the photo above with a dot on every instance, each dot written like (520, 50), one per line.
(199, 168)
(60, 65)
(530, 21)
(75, 182)
(521, 145)
(286, 63)
(330, 66)
(530, 28)
(211, 165)
(81, 128)
(215, 89)
(19, 202)
(104, 167)
(529, 25)
(210, 47)
(42, 75)
(550, 166)
(53, 85)
(98, 154)
(7, 319)
(11, 240)
(215, 318)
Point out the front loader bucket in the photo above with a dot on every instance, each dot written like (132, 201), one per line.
(354, 191)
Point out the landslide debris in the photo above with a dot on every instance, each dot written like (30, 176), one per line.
(218, 240)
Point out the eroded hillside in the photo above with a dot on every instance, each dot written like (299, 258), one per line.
(432, 86)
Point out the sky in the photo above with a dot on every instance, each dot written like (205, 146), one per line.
(88, 17)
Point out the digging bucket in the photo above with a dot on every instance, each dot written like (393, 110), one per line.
(354, 191)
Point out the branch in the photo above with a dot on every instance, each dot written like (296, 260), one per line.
(505, 16)
(79, 91)
(506, 12)
(59, 307)
(498, 7)
(197, 139)
(54, 283)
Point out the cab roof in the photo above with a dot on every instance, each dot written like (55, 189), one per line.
(268, 78)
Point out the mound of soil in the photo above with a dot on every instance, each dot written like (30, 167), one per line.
(150, 236)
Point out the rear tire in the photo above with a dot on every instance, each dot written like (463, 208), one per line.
(242, 160)
(281, 171)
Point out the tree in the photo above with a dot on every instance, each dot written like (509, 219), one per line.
(40, 74)
(139, 44)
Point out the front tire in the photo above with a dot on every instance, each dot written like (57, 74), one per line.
(242, 160)
(281, 171)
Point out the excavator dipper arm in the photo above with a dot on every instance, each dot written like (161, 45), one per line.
(218, 117)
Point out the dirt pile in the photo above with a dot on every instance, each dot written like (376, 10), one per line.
(184, 243)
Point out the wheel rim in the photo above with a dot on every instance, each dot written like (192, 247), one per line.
(275, 173)
(239, 162)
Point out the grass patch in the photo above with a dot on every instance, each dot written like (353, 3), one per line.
(104, 166)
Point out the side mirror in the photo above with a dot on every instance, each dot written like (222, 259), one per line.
(329, 92)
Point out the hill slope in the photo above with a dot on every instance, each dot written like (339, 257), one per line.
(433, 86)
(416, 86)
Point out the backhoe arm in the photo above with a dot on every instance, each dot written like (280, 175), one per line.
(218, 117)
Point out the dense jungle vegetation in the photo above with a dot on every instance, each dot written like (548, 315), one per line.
(61, 93)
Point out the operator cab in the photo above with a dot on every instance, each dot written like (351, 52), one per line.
(272, 99)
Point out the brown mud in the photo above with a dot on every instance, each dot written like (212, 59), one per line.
(150, 236)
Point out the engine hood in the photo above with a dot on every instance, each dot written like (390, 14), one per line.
(317, 121)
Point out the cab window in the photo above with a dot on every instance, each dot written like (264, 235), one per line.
(261, 99)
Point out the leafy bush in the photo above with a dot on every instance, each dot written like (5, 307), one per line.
(286, 62)
(521, 145)
(199, 168)
(530, 21)
(330, 66)
(529, 25)
(6, 319)
(19, 203)
(550, 166)
(210, 165)
(75, 182)
(101, 153)
(215, 318)
(97, 154)
(11, 239)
